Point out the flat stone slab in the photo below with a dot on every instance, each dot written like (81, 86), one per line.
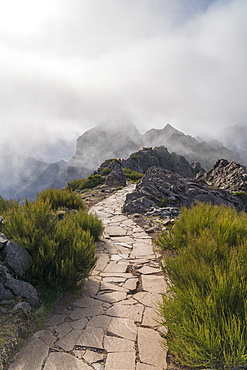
(91, 286)
(150, 317)
(114, 287)
(120, 361)
(87, 302)
(91, 337)
(79, 324)
(141, 249)
(154, 284)
(124, 328)
(46, 336)
(92, 357)
(116, 266)
(122, 239)
(68, 342)
(130, 284)
(147, 270)
(79, 313)
(101, 321)
(103, 259)
(150, 347)
(133, 312)
(114, 344)
(115, 231)
(31, 357)
(112, 297)
(64, 361)
(124, 245)
(63, 329)
(148, 298)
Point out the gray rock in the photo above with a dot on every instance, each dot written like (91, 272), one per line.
(23, 289)
(5, 293)
(17, 258)
(23, 306)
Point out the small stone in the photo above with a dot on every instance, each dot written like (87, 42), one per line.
(91, 337)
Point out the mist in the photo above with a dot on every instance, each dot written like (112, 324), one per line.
(68, 65)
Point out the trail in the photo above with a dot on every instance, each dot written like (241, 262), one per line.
(113, 324)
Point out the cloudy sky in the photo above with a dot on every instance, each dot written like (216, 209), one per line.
(67, 65)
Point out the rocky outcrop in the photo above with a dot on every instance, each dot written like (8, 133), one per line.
(230, 176)
(111, 170)
(160, 187)
(16, 262)
(142, 160)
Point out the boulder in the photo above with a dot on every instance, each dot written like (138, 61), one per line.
(23, 289)
(17, 259)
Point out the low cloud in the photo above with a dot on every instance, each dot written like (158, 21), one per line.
(153, 61)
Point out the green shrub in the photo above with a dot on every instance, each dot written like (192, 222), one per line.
(61, 198)
(88, 222)
(132, 175)
(6, 204)
(206, 313)
(225, 224)
(63, 253)
(88, 183)
(105, 171)
(65, 260)
(30, 224)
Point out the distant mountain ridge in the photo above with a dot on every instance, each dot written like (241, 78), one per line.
(104, 141)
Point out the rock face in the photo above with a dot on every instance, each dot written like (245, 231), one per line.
(142, 160)
(162, 187)
(224, 175)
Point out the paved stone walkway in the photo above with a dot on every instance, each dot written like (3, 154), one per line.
(113, 325)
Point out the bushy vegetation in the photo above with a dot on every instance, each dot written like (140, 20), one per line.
(62, 198)
(63, 251)
(88, 183)
(132, 175)
(206, 313)
(105, 171)
(6, 204)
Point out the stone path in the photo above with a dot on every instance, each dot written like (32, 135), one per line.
(113, 325)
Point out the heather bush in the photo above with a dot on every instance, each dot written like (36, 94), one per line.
(132, 175)
(63, 251)
(88, 222)
(62, 198)
(88, 183)
(6, 204)
(206, 312)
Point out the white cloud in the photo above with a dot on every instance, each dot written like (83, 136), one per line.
(154, 61)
